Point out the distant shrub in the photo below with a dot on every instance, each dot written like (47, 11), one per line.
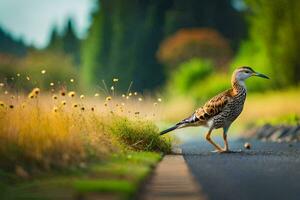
(186, 44)
(8, 67)
(26, 73)
(212, 85)
(59, 68)
(188, 73)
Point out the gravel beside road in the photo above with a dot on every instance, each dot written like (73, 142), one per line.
(275, 133)
(266, 171)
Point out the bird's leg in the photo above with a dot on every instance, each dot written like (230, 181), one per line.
(226, 148)
(207, 137)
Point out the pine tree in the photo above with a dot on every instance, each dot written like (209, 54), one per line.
(67, 42)
(71, 43)
(55, 42)
(9, 45)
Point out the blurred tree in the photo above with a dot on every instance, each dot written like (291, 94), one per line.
(55, 42)
(125, 35)
(122, 42)
(71, 43)
(186, 44)
(67, 42)
(216, 14)
(95, 49)
(8, 45)
(275, 29)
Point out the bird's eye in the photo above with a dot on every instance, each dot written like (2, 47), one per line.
(247, 72)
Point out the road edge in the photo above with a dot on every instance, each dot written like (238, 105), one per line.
(171, 179)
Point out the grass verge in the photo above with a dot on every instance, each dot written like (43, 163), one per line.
(63, 147)
(118, 178)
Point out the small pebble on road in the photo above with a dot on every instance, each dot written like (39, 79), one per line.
(247, 145)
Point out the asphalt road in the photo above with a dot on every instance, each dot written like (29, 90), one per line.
(266, 171)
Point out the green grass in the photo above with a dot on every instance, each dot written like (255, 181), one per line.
(287, 119)
(119, 176)
(119, 186)
(140, 135)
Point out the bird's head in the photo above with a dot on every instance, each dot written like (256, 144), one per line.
(242, 73)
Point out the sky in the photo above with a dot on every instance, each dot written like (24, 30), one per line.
(33, 20)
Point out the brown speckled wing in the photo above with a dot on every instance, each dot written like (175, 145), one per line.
(213, 106)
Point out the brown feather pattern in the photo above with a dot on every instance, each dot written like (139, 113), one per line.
(213, 106)
(222, 109)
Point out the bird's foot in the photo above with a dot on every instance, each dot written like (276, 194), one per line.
(226, 151)
(217, 151)
(222, 151)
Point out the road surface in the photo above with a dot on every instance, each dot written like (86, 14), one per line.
(266, 171)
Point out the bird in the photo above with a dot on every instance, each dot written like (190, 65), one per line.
(221, 110)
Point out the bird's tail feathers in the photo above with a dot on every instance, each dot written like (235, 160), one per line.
(184, 123)
(168, 130)
(176, 126)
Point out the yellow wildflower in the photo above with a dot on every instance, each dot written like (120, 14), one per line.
(54, 97)
(71, 94)
(75, 105)
(63, 93)
(36, 91)
(31, 95)
(2, 104)
(55, 109)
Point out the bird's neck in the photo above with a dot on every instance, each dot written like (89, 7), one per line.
(238, 86)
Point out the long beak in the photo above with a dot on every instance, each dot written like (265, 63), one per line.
(260, 75)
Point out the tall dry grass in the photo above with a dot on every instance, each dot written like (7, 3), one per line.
(42, 131)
